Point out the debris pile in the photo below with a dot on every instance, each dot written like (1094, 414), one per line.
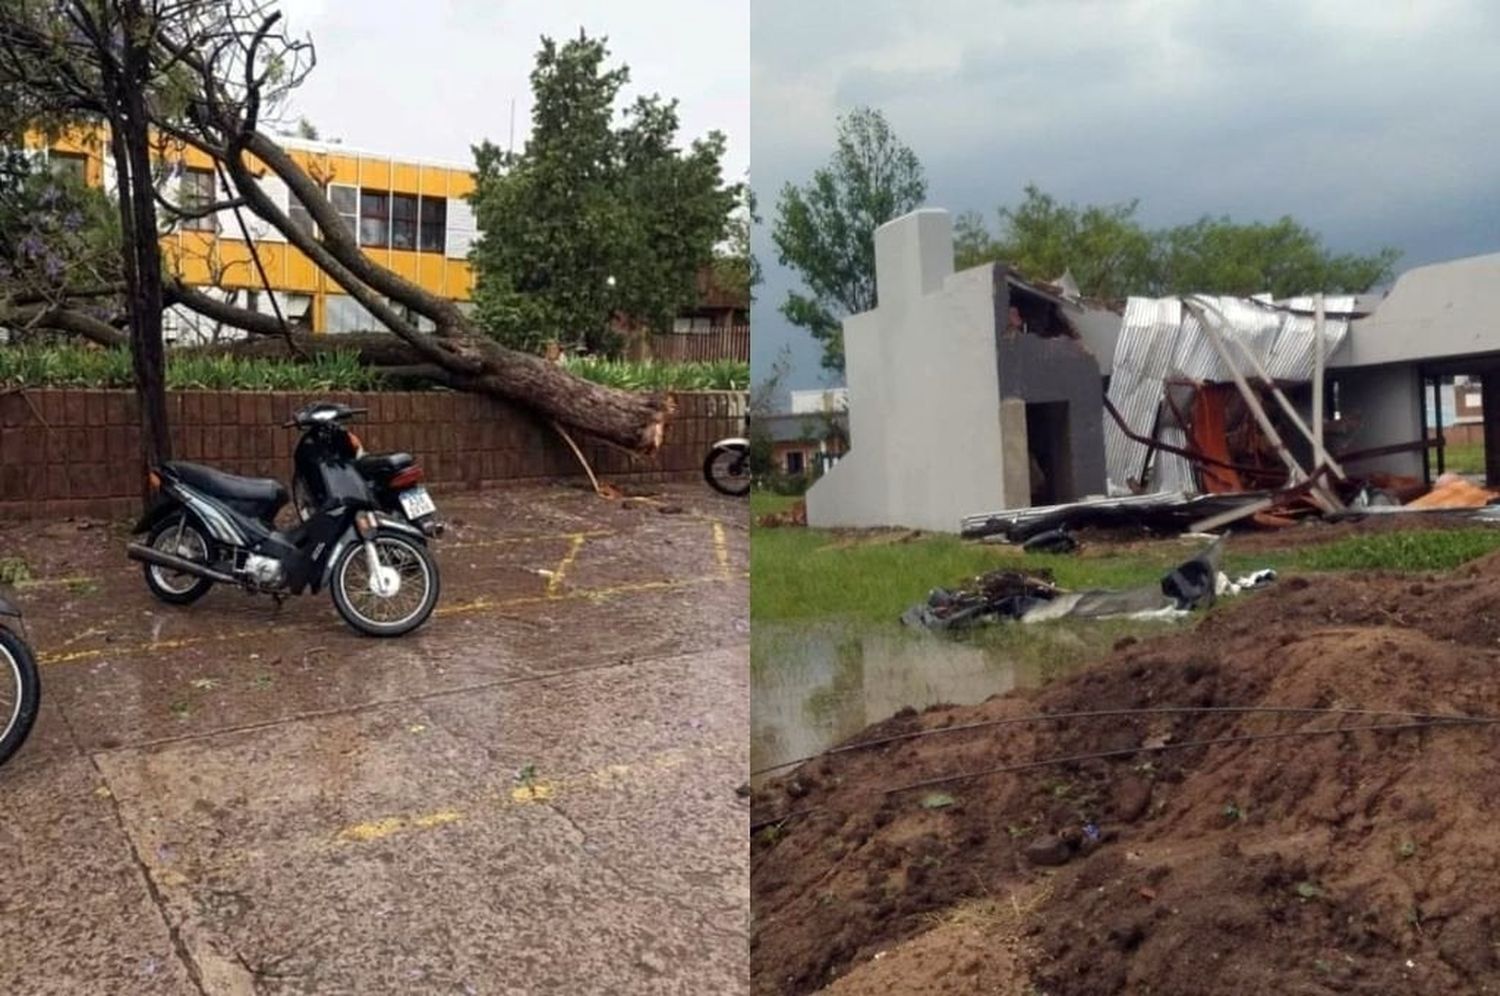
(795, 515)
(1360, 862)
(1033, 596)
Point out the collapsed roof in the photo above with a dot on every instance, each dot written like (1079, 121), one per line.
(1164, 352)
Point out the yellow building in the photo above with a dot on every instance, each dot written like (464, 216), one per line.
(410, 215)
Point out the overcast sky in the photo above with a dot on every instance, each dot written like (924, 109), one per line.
(434, 78)
(1375, 122)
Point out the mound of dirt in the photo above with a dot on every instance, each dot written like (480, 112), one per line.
(1361, 862)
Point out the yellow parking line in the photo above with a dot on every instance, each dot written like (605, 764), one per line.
(517, 540)
(474, 605)
(377, 829)
(149, 645)
(535, 791)
(721, 548)
(51, 582)
(555, 579)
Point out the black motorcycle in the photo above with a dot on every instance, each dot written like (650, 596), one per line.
(207, 527)
(20, 689)
(329, 452)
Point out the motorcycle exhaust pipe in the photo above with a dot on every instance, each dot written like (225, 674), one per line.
(151, 555)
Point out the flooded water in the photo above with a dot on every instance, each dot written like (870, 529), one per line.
(814, 684)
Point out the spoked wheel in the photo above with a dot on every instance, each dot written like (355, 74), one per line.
(727, 470)
(179, 536)
(396, 597)
(20, 692)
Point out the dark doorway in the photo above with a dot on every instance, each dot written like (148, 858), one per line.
(1048, 445)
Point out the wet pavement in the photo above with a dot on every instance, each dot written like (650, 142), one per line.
(534, 793)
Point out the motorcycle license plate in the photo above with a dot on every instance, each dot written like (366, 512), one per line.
(415, 502)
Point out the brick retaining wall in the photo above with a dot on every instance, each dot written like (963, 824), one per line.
(73, 452)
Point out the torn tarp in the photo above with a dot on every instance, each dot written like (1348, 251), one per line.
(1033, 597)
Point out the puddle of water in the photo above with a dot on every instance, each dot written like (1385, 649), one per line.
(814, 684)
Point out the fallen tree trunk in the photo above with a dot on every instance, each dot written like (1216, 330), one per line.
(633, 421)
(611, 414)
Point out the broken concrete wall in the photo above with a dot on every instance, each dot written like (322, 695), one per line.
(1055, 371)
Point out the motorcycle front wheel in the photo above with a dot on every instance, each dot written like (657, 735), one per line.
(20, 692)
(372, 607)
(727, 470)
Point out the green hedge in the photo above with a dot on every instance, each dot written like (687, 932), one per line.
(83, 366)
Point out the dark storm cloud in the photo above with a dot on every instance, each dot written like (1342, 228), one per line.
(1375, 123)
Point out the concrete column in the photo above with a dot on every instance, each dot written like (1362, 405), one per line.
(1015, 461)
(1490, 398)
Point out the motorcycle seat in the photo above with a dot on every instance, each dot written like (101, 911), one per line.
(383, 465)
(265, 495)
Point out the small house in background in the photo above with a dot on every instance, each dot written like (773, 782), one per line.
(804, 444)
(716, 326)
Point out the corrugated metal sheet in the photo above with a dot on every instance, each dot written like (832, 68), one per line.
(1161, 340)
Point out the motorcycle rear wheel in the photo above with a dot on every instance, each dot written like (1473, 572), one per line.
(727, 470)
(20, 692)
(171, 586)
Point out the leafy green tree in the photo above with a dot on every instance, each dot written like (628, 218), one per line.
(1217, 255)
(59, 242)
(1112, 255)
(735, 266)
(1105, 247)
(602, 215)
(825, 230)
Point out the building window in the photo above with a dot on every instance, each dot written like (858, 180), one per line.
(198, 192)
(300, 217)
(69, 166)
(344, 314)
(346, 203)
(697, 323)
(403, 221)
(374, 218)
(434, 224)
(794, 462)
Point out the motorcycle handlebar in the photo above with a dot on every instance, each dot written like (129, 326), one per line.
(293, 423)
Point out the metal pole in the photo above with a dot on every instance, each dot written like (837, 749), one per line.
(1437, 409)
(1317, 404)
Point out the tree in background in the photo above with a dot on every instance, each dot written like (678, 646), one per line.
(764, 401)
(1219, 256)
(601, 215)
(95, 62)
(59, 244)
(825, 230)
(1104, 246)
(735, 267)
(1112, 255)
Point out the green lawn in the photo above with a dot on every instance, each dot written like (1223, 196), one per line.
(1464, 458)
(799, 573)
